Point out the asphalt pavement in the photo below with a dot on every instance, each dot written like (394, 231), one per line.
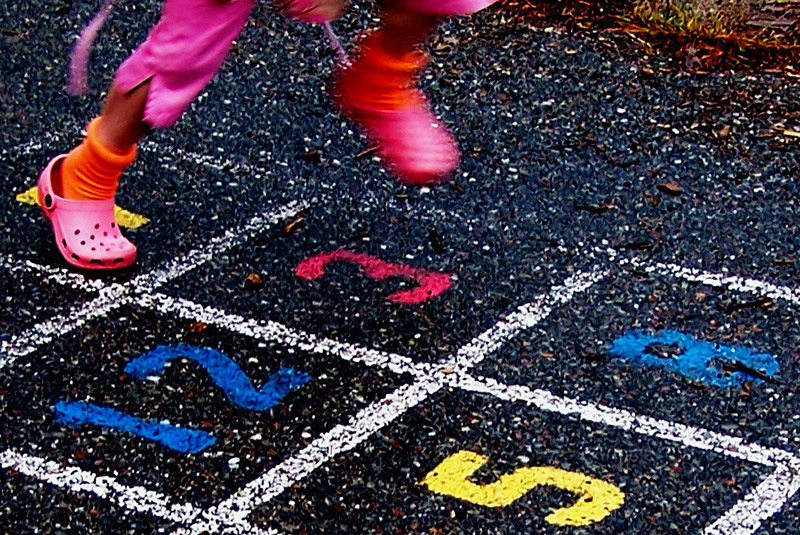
(591, 329)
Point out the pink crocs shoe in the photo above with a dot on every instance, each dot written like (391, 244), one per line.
(379, 93)
(86, 232)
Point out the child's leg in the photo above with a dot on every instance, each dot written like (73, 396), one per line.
(123, 118)
(92, 170)
(379, 90)
(404, 30)
(151, 89)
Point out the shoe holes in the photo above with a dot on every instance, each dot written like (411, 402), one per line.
(102, 244)
(105, 234)
(96, 261)
(115, 236)
(76, 257)
(64, 242)
(119, 260)
(94, 248)
(91, 237)
(113, 225)
(97, 226)
(77, 231)
(108, 249)
(83, 242)
(48, 200)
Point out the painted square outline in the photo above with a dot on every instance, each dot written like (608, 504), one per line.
(769, 496)
(744, 518)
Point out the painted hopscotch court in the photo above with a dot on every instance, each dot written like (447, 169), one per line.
(305, 346)
(201, 419)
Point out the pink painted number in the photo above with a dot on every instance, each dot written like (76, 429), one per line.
(431, 283)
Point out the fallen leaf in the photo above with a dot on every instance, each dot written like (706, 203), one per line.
(670, 188)
(291, 226)
(197, 327)
(723, 132)
(254, 280)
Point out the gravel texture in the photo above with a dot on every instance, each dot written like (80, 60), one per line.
(570, 150)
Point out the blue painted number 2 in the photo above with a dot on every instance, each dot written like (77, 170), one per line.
(225, 373)
(708, 362)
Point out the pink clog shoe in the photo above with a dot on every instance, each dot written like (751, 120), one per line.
(86, 233)
(379, 93)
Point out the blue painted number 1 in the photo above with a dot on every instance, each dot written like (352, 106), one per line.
(222, 370)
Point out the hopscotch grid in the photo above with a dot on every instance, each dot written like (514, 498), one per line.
(225, 516)
(429, 378)
(117, 295)
(468, 356)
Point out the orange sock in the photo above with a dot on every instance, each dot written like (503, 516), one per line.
(380, 80)
(91, 171)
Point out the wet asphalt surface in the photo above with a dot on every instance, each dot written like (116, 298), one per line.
(575, 158)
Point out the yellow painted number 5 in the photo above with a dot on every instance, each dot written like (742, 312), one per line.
(597, 498)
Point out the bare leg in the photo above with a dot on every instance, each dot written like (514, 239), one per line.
(404, 30)
(92, 170)
(122, 125)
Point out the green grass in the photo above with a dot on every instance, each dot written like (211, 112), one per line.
(707, 20)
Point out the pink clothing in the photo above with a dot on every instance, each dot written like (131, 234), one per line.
(446, 8)
(190, 42)
(182, 54)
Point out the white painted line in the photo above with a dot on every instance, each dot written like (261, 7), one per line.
(218, 164)
(733, 283)
(340, 439)
(52, 142)
(730, 282)
(218, 246)
(759, 505)
(110, 298)
(687, 436)
(39, 144)
(57, 275)
(276, 332)
(116, 295)
(374, 417)
(522, 319)
(74, 479)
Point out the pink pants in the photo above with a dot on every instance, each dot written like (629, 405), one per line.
(187, 46)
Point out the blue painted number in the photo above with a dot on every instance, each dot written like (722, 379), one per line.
(77, 413)
(716, 364)
(223, 371)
